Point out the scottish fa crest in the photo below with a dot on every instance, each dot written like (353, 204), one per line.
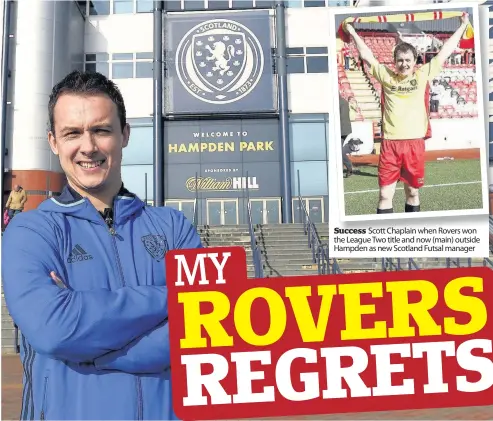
(156, 246)
(219, 61)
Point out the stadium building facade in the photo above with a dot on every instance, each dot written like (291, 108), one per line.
(241, 90)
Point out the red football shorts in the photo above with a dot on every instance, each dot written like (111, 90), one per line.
(402, 160)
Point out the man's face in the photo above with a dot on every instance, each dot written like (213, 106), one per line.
(16, 187)
(405, 62)
(89, 141)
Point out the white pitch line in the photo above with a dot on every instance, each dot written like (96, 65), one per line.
(425, 186)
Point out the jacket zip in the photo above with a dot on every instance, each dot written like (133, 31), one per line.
(43, 409)
(108, 219)
(140, 402)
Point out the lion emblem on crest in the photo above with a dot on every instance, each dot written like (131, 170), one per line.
(222, 55)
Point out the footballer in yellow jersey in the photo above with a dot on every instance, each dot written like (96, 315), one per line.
(405, 115)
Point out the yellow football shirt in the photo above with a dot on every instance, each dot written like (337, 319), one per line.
(405, 100)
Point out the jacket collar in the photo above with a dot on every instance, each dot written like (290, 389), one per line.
(125, 205)
(69, 195)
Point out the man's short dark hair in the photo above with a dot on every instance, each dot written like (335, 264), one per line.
(86, 83)
(404, 47)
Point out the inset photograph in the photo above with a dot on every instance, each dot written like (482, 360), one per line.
(409, 120)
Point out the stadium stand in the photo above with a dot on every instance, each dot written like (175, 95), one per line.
(458, 78)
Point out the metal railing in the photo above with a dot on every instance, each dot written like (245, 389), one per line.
(326, 265)
(309, 230)
(320, 251)
(256, 254)
(396, 264)
(487, 262)
(451, 262)
(195, 205)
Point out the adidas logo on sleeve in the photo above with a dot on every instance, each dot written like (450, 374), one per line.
(78, 254)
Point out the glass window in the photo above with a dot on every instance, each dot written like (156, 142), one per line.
(140, 146)
(143, 69)
(242, 4)
(172, 5)
(122, 56)
(102, 68)
(317, 50)
(134, 179)
(144, 6)
(218, 4)
(296, 64)
(308, 141)
(123, 6)
(264, 4)
(294, 50)
(144, 56)
(98, 7)
(313, 178)
(97, 57)
(143, 121)
(294, 3)
(122, 70)
(314, 3)
(308, 117)
(194, 5)
(317, 64)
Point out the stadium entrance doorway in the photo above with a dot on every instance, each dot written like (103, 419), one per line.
(222, 211)
(314, 207)
(186, 206)
(266, 211)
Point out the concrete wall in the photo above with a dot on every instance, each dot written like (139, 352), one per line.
(47, 44)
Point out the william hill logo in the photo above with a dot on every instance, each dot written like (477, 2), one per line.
(229, 184)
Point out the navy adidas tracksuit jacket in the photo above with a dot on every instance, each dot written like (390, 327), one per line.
(97, 349)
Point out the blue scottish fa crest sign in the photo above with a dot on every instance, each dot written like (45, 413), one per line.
(220, 63)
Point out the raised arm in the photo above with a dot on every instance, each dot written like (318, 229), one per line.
(451, 44)
(363, 50)
(76, 326)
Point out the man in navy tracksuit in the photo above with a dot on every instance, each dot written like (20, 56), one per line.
(84, 276)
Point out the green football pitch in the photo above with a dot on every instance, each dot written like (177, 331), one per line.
(449, 185)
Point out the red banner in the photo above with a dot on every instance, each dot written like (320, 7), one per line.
(313, 345)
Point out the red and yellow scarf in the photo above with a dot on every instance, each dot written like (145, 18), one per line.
(466, 42)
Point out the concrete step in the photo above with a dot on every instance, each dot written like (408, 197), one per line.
(304, 265)
(365, 99)
(228, 242)
(359, 84)
(283, 272)
(291, 250)
(287, 261)
(8, 334)
(274, 253)
(220, 227)
(369, 106)
(372, 114)
(228, 234)
(275, 237)
(355, 74)
(7, 323)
